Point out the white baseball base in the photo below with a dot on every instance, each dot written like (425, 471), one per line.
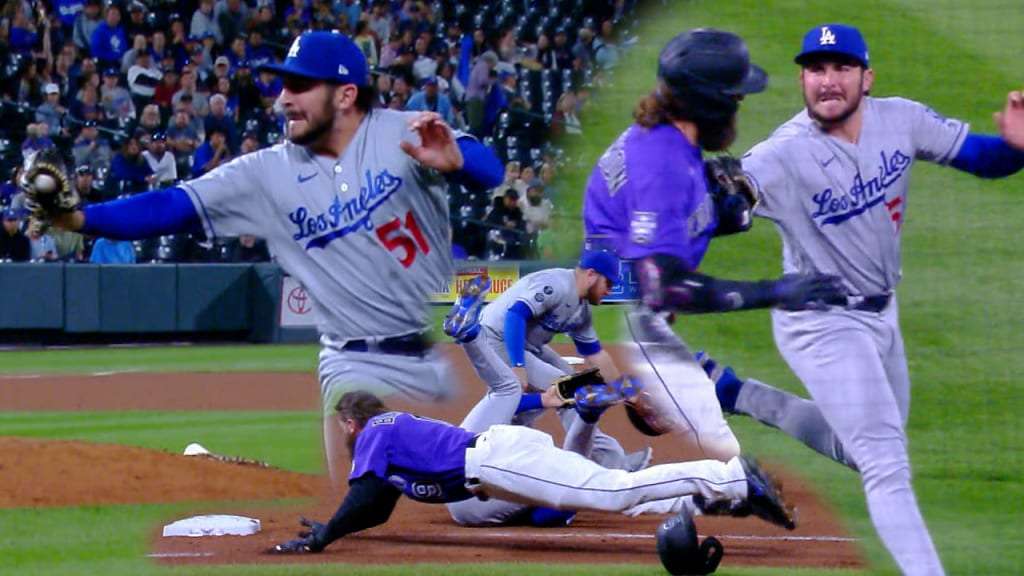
(213, 525)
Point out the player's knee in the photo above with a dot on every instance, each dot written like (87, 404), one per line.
(885, 473)
(883, 460)
(623, 496)
(506, 387)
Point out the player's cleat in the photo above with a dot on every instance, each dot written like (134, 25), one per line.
(764, 496)
(734, 508)
(637, 461)
(463, 321)
(727, 383)
(628, 386)
(593, 399)
(550, 518)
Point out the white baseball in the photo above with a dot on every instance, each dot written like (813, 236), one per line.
(45, 184)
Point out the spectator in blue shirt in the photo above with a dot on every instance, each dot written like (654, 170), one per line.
(22, 36)
(430, 98)
(67, 11)
(109, 43)
(211, 153)
(352, 12)
(37, 137)
(129, 171)
(107, 251)
(218, 118)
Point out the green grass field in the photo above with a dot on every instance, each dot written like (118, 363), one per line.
(960, 316)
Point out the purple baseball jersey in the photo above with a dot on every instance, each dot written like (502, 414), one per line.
(648, 195)
(424, 458)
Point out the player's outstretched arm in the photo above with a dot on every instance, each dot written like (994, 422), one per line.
(460, 157)
(156, 213)
(697, 293)
(1011, 120)
(369, 502)
(996, 156)
(52, 199)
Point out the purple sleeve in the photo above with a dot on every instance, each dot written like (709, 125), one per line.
(370, 454)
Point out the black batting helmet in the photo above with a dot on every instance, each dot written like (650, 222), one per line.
(709, 70)
(679, 551)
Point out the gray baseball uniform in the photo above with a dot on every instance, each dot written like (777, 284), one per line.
(839, 208)
(366, 234)
(557, 308)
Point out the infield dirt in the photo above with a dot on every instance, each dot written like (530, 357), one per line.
(35, 473)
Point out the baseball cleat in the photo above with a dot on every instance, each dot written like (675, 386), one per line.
(734, 508)
(628, 386)
(593, 399)
(727, 383)
(764, 496)
(463, 321)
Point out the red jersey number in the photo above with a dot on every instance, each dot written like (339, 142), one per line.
(404, 237)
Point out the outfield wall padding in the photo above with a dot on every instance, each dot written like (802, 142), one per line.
(142, 301)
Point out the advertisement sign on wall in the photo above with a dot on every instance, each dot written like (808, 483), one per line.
(297, 307)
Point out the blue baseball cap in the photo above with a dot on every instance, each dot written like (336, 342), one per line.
(11, 214)
(604, 263)
(321, 55)
(834, 39)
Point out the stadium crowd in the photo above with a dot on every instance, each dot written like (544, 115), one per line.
(140, 94)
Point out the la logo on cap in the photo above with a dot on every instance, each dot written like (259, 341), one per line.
(828, 38)
(294, 50)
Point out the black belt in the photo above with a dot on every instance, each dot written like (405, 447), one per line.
(408, 345)
(874, 303)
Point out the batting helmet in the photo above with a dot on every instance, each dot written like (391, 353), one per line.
(709, 70)
(678, 549)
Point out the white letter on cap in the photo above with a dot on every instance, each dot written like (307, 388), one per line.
(827, 37)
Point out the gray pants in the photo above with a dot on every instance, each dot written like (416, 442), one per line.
(428, 378)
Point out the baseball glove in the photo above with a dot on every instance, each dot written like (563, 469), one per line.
(47, 189)
(733, 194)
(645, 417)
(566, 386)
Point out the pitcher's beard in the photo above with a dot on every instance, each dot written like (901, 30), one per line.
(317, 128)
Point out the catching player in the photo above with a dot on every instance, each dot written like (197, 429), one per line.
(353, 206)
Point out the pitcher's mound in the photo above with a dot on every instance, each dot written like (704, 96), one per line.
(44, 473)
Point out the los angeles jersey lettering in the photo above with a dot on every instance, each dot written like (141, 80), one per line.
(846, 202)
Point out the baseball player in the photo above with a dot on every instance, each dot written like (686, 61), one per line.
(834, 180)
(395, 453)
(353, 205)
(648, 200)
(508, 345)
(519, 326)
